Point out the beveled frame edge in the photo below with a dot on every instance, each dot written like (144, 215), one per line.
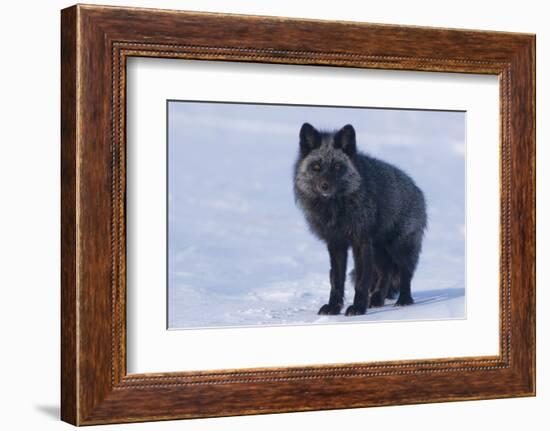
(96, 41)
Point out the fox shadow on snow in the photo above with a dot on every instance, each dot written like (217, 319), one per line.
(423, 298)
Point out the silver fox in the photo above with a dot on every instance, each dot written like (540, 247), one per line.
(353, 200)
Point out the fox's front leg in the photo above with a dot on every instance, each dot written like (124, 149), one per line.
(364, 275)
(338, 261)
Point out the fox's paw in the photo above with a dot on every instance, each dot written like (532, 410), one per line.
(354, 310)
(329, 310)
(376, 300)
(404, 300)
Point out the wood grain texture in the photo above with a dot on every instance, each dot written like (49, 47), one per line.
(96, 41)
(69, 364)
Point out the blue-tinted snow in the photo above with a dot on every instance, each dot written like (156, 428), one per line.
(240, 252)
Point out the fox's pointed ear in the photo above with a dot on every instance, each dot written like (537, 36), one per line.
(345, 139)
(310, 138)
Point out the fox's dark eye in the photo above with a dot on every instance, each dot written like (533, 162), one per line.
(339, 167)
(315, 167)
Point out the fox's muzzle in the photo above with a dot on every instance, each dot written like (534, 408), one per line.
(325, 189)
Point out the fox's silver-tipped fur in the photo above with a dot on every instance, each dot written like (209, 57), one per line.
(352, 200)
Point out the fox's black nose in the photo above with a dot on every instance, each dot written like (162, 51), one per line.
(324, 186)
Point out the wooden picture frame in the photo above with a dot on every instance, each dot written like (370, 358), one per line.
(95, 43)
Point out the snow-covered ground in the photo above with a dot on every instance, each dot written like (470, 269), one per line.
(240, 253)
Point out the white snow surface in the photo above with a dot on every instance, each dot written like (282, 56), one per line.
(239, 250)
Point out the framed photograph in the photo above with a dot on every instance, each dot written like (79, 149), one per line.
(264, 214)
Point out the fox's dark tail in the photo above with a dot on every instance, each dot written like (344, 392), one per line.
(393, 290)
